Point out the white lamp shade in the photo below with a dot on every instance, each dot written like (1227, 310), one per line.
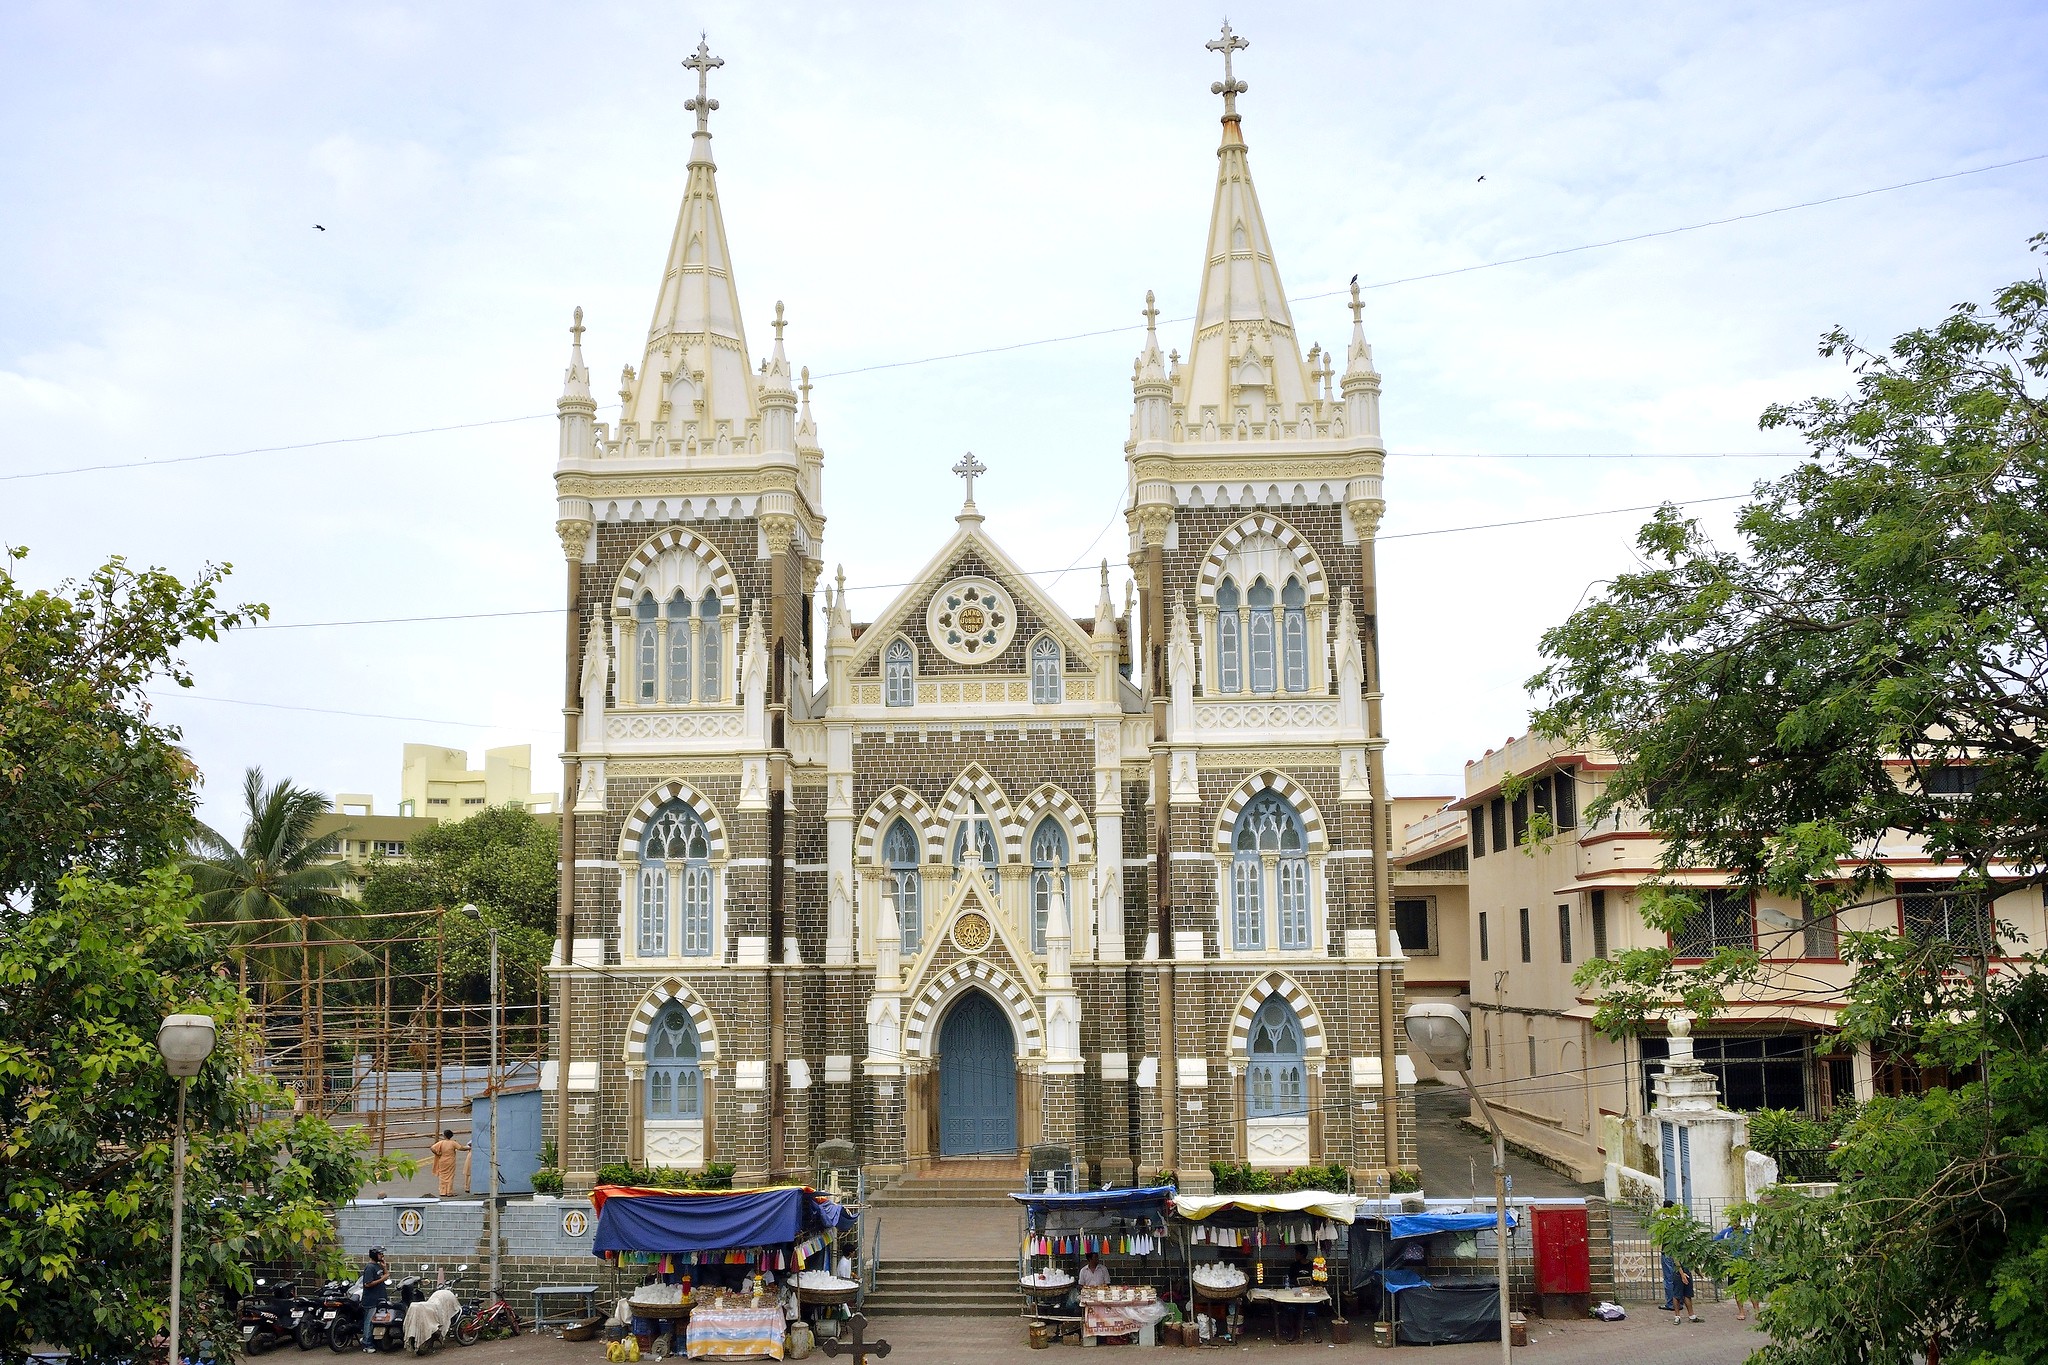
(186, 1041)
(1441, 1032)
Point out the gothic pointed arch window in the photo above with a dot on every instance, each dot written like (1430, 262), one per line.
(1229, 639)
(1045, 672)
(1276, 1074)
(678, 649)
(1294, 634)
(983, 831)
(675, 884)
(1259, 600)
(675, 1073)
(903, 883)
(1269, 865)
(1048, 874)
(899, 687)
(647, 650)
(710, 646)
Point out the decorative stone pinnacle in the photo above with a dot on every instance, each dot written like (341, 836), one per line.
(1357, 304)
(804, 387)
(703, 63)
(1151, 313)
(1229, 87)
(576, 327)
(967, 469)
(779, 323)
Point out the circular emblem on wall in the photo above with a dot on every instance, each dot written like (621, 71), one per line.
(575, 1222)
(971, 931)
(410, 1222)
(970, 620)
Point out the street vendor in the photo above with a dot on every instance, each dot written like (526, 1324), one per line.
(1094, 1274)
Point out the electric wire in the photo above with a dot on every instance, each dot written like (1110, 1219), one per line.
(1075, 336)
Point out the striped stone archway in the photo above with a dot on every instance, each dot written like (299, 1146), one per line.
(660, 543)
(651, 804)
(920, 1034)
(1313, 581)
(1313, 1040)
(1269, 780)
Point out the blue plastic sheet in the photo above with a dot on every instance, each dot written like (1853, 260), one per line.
(1398, 1280)
(1097, 1200)
(1429, 1224)
(655, 1223)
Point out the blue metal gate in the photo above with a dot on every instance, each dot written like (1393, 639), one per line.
(977, 1079)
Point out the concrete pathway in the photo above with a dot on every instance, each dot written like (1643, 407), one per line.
(1458, 1163)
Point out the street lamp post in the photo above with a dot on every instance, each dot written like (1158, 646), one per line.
(186, 1041)
(472, 910)
(1446, 1039)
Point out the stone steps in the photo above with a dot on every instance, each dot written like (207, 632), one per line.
(982, 1192)
(977, 1287)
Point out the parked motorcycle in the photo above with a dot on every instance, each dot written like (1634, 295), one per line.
(344, 1318)
(320, 1313)
(266, 1317)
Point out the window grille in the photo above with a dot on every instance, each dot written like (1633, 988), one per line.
(1564, 933)
(675, 882)
(1597, 912)
(675, 1079)
(710, 647)
(1276, 1077)
(1724, 920)
(1048, 871)
(649, 658)
(1294, 633)
(679, 649)
(1525, 935)
(1947, 915)
(1564, 798)
(905, 886)
(1482, 936)
(1415, 922)
(1478, 839)
(1260, 600)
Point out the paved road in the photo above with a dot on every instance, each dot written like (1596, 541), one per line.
(1458, 1163)
(1647, 1338)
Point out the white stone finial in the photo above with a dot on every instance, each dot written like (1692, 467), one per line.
(1229, 87)
(576, 328)
(779, 323)
(703, 63)
(1151, 315)
(1357, 305)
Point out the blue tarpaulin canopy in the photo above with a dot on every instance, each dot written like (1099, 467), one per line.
(1429, 1224)
(1098, 1201)
(657, 1221)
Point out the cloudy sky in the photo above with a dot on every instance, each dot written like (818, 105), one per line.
(916, 181)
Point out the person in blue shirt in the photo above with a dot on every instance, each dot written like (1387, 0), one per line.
(375, 1278)
(1736, 1235)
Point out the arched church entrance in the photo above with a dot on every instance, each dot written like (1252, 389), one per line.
(977, 1079)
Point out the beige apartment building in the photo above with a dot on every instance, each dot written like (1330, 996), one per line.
(1539, 910)
(1431, 905)
(436, 786)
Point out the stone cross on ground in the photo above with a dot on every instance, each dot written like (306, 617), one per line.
(1229, 87)
(967, 469)
(703, 63)
(854, 1343)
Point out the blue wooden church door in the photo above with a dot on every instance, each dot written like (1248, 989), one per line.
(977, 1079)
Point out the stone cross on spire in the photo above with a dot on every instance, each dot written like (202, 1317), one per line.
(1229, 87)
(1357, 304)
(576, 327)
(1151, 312)
(967, 469)
(703, 63)
(779, 323)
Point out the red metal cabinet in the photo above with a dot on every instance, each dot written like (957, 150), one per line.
(1562, 1265)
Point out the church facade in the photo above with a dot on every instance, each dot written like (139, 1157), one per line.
(976, 875)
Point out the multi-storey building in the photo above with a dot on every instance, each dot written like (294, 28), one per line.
(977, 874)
(1542, 906)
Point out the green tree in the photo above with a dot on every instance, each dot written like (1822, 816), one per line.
(501, 860)
(86, 776)
(1778, 709)
(86, 1122)
(287, 906)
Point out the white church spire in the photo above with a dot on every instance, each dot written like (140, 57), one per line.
(695, 378)
(1244, 363)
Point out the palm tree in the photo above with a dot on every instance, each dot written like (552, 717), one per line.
(289, 910)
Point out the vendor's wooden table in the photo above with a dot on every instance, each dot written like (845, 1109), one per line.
(724, 1333)
(1300, 1300)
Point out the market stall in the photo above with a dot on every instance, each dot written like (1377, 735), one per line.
(1398, 1264)
(1062, 1230)
(1262, 1251)
(727, 1270)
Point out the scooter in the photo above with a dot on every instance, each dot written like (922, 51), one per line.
(387, 1319)
(266, 1317)
(343, 1316)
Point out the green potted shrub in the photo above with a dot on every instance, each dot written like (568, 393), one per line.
(547, 1182)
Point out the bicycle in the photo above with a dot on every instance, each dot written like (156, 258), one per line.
(490, 1315)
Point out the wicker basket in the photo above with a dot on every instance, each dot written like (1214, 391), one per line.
(826, 1298)
(1046, 1293)
(586, 1330)
(660, 1312)
(1211, 1294)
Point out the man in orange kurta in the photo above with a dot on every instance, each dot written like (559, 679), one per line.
(444, 1160)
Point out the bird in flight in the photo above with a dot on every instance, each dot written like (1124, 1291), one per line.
(318, 228)
(1480, 178)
